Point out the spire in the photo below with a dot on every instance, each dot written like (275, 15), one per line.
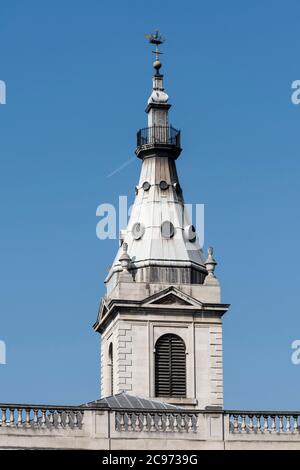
(159, 236)
(159, 138)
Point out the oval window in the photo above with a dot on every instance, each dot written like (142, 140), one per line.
(167, 229)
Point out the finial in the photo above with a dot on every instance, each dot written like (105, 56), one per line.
(125, 258)
(157, 39)
(210, 264)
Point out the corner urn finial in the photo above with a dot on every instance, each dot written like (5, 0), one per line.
(210, 264)
(125, 259)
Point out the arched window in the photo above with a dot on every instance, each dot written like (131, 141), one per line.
(170, 367)
(111, 366)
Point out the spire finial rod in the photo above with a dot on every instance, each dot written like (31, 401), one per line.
(157, 39)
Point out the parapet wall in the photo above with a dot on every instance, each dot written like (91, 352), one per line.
(50, 427)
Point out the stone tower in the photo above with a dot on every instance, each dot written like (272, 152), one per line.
(161, 318)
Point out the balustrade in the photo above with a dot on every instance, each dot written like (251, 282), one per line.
(40, 417)
(155, 421)
(263, 423)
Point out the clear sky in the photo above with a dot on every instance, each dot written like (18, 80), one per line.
(78, 74)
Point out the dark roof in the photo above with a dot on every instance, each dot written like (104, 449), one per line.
(126, 401)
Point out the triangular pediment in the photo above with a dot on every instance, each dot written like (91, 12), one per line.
(102, 310)
(173, 297)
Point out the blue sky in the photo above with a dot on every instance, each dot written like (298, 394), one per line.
(78, 74)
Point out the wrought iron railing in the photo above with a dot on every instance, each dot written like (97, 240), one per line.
(156, 135)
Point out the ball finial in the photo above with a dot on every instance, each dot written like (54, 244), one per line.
(157, 65)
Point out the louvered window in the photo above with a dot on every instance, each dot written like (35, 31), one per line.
(170, 367)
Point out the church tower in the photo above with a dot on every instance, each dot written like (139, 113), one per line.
(161, 317)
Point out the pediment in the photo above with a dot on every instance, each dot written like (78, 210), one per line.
(173, 297)
(102, 310)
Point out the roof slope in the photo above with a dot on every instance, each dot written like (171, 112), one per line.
(125, 401)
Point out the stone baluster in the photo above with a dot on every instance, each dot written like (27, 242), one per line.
(152, 422)
(11, 417)
(168, 423)
(280, 425)
(137, 426)
(243, 424)
(50, 418)
(27, 418)
(19, 419)
(190, 426)
(67, 419)
(296, 427)
(133, 421)
(175, 423)
(129, 422)
(160, 422)
(35, 418)
(182, 422)
(121, 421)
(250, 425)
(59, 422)
(266, 424)
(273, 424)
(145, 422)
(3, 421)
(43, 419)
(186, 423)
(235, 423)
(257, 427)
(288, 424)
(195, 423)
(75, 419)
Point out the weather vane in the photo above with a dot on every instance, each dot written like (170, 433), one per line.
(157, 39)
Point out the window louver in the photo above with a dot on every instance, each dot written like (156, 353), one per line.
(170, 367)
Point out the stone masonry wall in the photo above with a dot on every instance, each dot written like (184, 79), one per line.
(124, 357)
(216, 365)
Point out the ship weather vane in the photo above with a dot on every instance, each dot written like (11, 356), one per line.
(157, 39)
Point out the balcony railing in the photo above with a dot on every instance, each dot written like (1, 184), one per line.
(166, 135)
